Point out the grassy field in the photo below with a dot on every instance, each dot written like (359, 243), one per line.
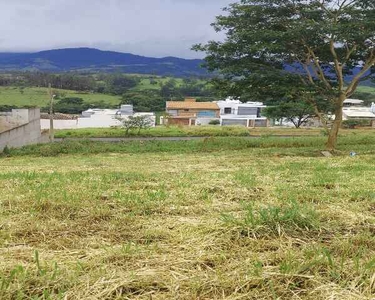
(145, 83)
(366, 89)
(185, 131)
(39, 96)
(223, 218)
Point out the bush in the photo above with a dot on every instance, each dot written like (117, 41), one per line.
(214, 122)
(351, 124)
(72, 105)
(6, 151)
(136, 122)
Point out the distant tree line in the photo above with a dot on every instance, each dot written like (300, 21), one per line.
(150, 97)
(115, 84)
(170, 90)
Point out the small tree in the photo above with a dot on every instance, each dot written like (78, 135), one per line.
(134, 122)
(128, 124)
(296, 112)
(142, 122)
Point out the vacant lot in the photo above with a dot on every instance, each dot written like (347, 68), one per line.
(27, 96)
(224, 218)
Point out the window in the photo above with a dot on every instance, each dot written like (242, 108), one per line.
(227, 110)
(206, 114)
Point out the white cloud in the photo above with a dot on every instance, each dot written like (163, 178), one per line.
(146, 27)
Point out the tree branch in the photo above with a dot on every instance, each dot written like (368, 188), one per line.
(368, 64)
(338, 66)
(319, 67)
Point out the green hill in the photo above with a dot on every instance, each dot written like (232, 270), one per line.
(16, 96)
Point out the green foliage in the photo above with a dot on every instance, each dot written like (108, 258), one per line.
(72, 105)
(76, 105)
(6, 151)
(7, 107)
(67, 81)
(136, 122)
(214, 122)
(351, 124)
(296, 112)
(145, 100)
(367, 97)
(119, 84)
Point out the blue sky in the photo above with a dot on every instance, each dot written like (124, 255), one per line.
(145, 27)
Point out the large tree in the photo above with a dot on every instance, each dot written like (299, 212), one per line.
(327, 45)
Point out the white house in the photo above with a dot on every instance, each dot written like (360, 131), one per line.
(234, 112)
(359, 113)
(353, 102)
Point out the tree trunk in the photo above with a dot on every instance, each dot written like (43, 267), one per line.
(333, 133)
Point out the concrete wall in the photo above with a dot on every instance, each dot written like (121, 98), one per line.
(179, 122)
(205, 121)
(247, 122)
(238, 122)
(27, 133)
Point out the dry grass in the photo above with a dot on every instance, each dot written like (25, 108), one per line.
(222, 225)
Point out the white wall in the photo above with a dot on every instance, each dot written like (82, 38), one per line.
(59, 124)
(205, 121)
(99, 121)
(29, 133)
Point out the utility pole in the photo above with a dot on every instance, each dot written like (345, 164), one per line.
(51, 131)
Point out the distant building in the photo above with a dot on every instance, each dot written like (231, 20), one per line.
(190, 112)
(249, 114)
(97, 118)
(359, 113)
(353, 102)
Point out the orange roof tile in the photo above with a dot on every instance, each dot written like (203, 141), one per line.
(192, 105)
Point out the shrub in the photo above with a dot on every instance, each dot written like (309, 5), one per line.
(351, 124)
(6, 151)
(214, 122)
(136, 122)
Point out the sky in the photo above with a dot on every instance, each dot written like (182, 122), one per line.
(154, 28)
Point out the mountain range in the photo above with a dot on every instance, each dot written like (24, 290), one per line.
(93, 60)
